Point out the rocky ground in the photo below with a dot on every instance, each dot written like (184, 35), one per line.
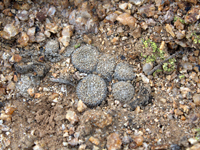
(107, 74)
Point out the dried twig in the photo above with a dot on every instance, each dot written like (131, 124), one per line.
(158, 66)
(62, 81)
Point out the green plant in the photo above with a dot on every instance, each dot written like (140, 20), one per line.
(169, 66)
(177, 18)
(181, 76)
(196, 39)
(157, 71)
(77, 45)
(198, 134)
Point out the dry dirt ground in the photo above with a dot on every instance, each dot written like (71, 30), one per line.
(163, 113)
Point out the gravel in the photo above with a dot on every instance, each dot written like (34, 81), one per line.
(91, 90)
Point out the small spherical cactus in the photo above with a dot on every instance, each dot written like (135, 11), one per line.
(85, 58)
(91, 90)
(124, 72)
(123, 91)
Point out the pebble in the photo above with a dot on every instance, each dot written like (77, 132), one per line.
(85, 58)
(169, 30)
(127, 19)
(2, 91)
(138, 140)
(147, 10)
(81, 107)
(51, 47)
(113, 142)
(187, 66)
(23, 15)
(11, 86)
(194, 147)
(9, 31)
(196, 99)
(31, 92)
(23, 40)
(124, 71)
(72, 117)
(147, 67)
(92, 90)
(192, 141)
(97, 118)
(123, 91)
(94, 140)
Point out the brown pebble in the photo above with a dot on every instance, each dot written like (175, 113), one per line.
(2, 91)
(15, 79)
(196, 53)
(37, 95)
(41, 59)
(138, 140)
(94, 140)
(17, 58)
(196, 99)
(9, 110)
(11, 86)
(113, 142)
(53, 96)
(31, 92)
(81, 106)
(178, 112)
(72, 117)
(183, 118)
(87, 40)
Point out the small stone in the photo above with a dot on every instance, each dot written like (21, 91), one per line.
(143, 25)
(113, 142)
(179, 25)
(147, 67)
(169, 16)
(192, 15)
(40, 37)
(178, 112)
(194, 147)
(183, 118)
(52, 47)
(2, 91)
(111, 17)
(73, 142)
(17, 58)
(136, 33)
(196, 53)
(9, 31)
(127, 19)
(147, 10)
(123, 91)
(137, 2)
(31, 34)
(115, 40)
(124, 71)
(180, 34)
(94, 140)
(187, 66)
(53, 96)
(72, 117)
(23, 40)
(31, 92)
(192, 141)
(87, 40)
(11, 86)
(138, 140)
(37, 95)
(23, 15)
(81, 106)
(196, 99)
(123, 6)
(169, 30)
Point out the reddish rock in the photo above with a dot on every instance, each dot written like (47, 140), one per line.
(127, 19)
(113, 142)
